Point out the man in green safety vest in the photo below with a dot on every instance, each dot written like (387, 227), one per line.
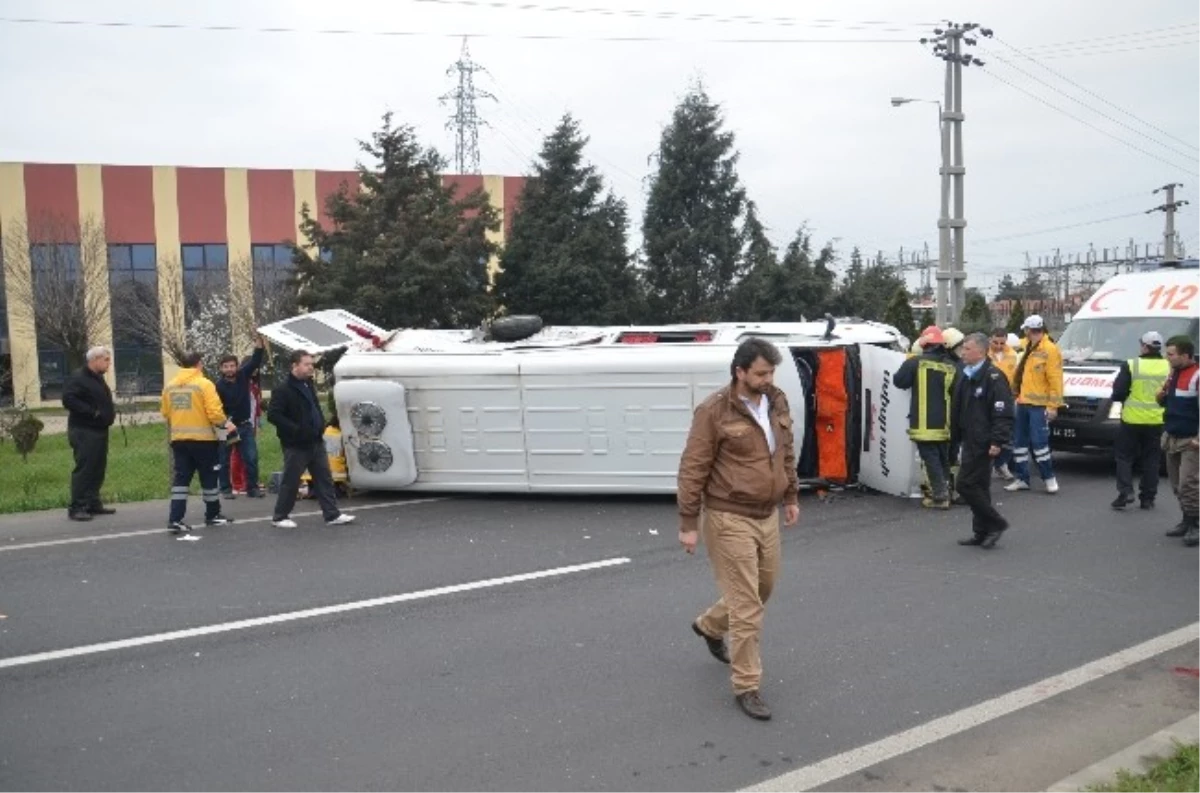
(1140, 437)
(931, 377)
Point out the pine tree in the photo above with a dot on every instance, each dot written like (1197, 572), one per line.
(975, 316)
(565, 258)
(867, 290)
(1008, 289)
(759, 263)
(691, 236)
(1017, 318)
(927, 318)
(404, 251)
(800, 288)
(899, 313)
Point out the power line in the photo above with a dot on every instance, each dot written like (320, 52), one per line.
(1100, 113)
(682, 16)
(415, 33)
(1104, 132)
(1119, 38)
(1091, 93)
(1181, 43)
(1059, 228)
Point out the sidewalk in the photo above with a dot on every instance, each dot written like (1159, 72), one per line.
(1137, 759)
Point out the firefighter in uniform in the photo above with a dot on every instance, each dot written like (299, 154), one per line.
(193, 412)
(930, 377)
(1139, 439)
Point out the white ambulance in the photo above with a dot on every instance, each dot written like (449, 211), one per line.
(597, 410)
(1106, 332)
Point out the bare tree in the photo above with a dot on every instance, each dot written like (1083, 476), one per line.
(47, 266)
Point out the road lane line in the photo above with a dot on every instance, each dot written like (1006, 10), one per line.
(26, 546)
(862, 757)
(292, 616)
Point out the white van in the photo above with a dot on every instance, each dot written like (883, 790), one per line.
(596, 410)
(1106, 332)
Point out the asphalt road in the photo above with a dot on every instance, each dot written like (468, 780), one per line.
(588, 679)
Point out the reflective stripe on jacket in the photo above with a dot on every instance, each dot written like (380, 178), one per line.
(1147, 378)
(1042, 382)
(192, 407)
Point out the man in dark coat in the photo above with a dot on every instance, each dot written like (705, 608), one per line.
(90, 412)
(295, 411)
(982, 423)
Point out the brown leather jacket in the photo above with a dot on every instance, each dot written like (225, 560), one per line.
(727, 465)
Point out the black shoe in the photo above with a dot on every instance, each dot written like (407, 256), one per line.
(256, 494)
(219, 520)
(1147, 503)
(1192, 538)
(178, 527)
(715, 646)
(754, 706)
(82, 517)
(990, 540)
(1122, 501)
(230, 496)
(101, 510)
(1179, 530)
(974, 539)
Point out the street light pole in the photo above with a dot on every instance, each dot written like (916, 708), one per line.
(942, 313)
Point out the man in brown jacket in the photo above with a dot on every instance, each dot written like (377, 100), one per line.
(739, 464)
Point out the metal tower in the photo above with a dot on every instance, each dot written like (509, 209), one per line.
(465, 121)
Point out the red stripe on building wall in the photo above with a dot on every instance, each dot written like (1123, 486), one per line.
(51, 203)
(463, 185)
(201, 205)
(272, 206)
(128, 203)
(513, 185)
(328, 183)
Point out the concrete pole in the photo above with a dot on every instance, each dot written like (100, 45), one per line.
(943, 313)
(958, 224)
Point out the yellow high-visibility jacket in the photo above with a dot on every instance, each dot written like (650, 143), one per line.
(1006, 362)
(1042, 382)
(192, 407)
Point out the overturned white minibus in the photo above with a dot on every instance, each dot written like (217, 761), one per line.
(596, 410)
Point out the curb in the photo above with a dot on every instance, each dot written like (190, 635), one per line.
(1137, 758)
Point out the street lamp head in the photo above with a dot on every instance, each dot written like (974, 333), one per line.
(899, 100)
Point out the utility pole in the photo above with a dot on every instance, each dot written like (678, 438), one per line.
(1170, 257)
(465, 121)
(951, 277)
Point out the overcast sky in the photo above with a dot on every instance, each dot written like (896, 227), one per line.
(819, 140)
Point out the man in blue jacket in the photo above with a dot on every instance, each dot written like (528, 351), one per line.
(234, 388)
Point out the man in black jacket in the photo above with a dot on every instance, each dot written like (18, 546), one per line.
(983, 420)
(90, 412)
(234, 389)
(295, 411)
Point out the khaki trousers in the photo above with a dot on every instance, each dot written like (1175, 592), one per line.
(1182, 465)
(745, 559)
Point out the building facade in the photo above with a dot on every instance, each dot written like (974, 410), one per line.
(160, 229)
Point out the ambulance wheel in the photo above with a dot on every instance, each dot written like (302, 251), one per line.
(516, 327)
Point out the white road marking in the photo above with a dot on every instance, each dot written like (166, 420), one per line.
(855, 760)
(292, 616)
(25, 546)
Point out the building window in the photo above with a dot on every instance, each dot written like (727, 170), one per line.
(205, 278)
(57, 292)
(137, 347)
(271, 256)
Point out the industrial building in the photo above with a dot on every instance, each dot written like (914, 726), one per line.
(160, 227)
